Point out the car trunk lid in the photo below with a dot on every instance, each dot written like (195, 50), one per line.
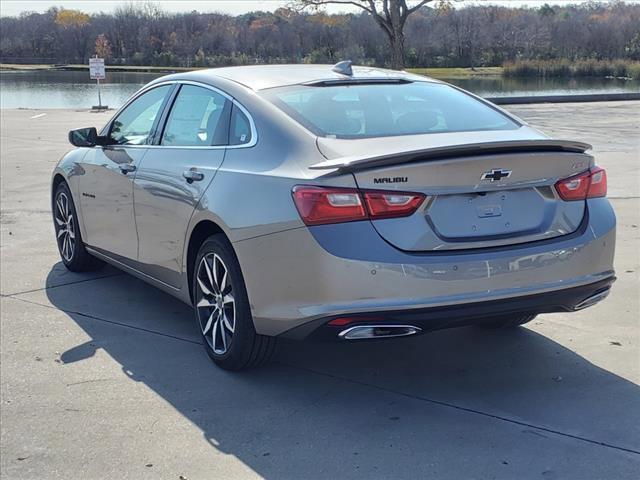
(479, 194)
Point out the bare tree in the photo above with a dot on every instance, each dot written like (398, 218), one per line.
(390, 15)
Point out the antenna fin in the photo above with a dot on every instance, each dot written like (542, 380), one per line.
(343, 68)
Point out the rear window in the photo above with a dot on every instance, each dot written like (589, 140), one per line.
(379, 110)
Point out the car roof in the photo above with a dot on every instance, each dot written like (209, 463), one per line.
(260, 77)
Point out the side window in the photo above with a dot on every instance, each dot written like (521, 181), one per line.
(199, 117)
(240, 131)
(135, 123)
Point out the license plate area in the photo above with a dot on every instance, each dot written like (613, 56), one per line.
(486, 215)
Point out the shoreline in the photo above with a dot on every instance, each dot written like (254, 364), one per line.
(436, 72)
(16, 67)
(439, 73)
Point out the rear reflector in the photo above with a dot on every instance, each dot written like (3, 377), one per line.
(589, 184)
(342, 321)
(323, 205)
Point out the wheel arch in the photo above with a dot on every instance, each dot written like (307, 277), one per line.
(57, 179)
(202, 230)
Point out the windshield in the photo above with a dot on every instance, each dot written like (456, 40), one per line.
(378, 110)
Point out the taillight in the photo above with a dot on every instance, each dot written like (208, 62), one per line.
(391, 204)
(598, 184)
(574, 188)
(589, 184)
(318, 205)
(323, 205)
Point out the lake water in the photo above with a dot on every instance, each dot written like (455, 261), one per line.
(66, 89)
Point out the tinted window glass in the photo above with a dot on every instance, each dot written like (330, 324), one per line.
(358, 111)
(199, 117)
(240, 131)
(133, 126)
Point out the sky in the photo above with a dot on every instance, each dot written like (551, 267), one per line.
(232, 7)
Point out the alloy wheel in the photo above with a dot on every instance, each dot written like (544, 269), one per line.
(215, 304)
(65, 224)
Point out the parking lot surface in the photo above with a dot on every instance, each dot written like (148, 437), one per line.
(103, 376)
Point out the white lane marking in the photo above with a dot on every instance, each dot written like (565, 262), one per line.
(39, 115)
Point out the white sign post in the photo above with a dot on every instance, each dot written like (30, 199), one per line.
(96, 71)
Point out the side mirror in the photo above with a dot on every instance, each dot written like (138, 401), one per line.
(85, 137)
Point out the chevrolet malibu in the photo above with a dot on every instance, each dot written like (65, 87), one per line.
(345, 203)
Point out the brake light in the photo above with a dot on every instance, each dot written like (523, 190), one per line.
(324, 205)
(589, 184)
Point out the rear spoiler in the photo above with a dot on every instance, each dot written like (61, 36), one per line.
(437, 153)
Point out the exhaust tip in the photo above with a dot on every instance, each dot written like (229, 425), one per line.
(361, 332)
(592, 300)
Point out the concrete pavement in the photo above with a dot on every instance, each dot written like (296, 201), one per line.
(102, 376)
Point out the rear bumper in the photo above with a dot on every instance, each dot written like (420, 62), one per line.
(310, 275)
(476, 313)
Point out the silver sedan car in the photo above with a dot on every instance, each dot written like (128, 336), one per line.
(346, 203)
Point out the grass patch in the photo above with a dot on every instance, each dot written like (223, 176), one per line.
(579, 68)
(430, 72)
(522, 68)
(456, 72)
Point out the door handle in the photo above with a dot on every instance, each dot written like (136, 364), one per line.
(192, 175)
(127, 167)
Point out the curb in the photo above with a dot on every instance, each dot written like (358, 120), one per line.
(595, 97)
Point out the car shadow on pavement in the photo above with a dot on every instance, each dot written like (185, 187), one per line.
(397, 409)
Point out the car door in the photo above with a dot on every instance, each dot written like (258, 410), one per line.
(175, 173)
(106, 185)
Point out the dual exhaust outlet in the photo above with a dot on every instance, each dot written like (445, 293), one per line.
(360, 332)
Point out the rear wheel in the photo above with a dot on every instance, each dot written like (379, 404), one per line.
(68, 237)
(509, 321)
(222, 309)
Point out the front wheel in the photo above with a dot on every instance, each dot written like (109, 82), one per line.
(68, 237)
(222, 309)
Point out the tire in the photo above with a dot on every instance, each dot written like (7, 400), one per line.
(68, 237)
(232, 343)
(509, 321)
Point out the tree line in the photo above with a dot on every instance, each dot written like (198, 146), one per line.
(438, 34)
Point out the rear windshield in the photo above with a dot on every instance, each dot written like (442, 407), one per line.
(379, 110)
